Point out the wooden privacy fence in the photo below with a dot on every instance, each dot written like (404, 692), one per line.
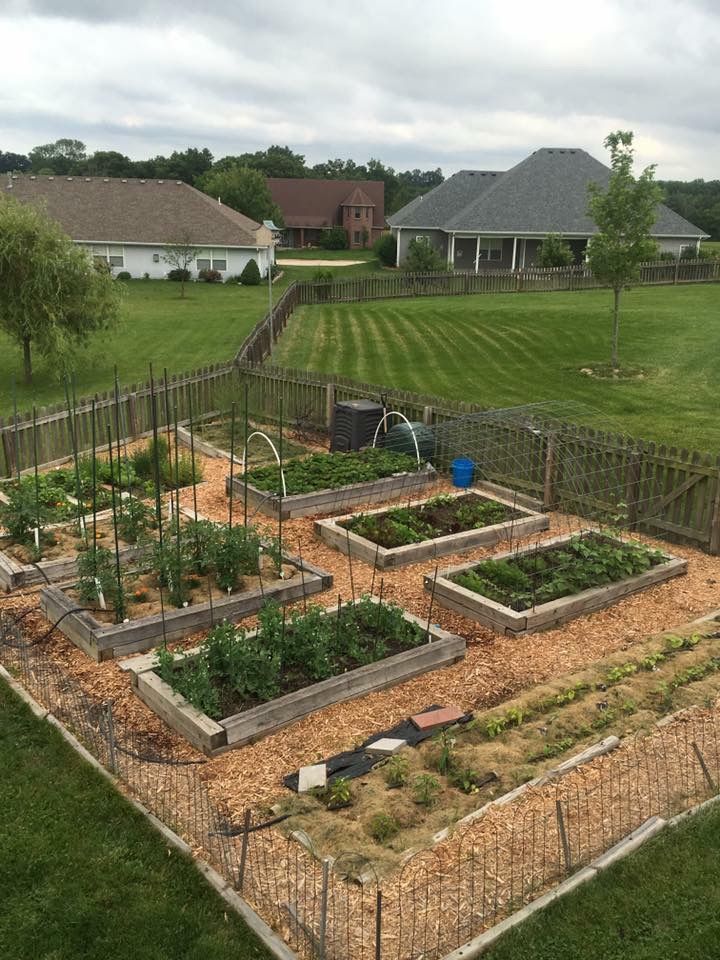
(50, 433)
(650, 487)
(257, 346)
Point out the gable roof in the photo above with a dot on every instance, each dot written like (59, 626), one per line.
(306, 202)
(115, 210)
(358, 198)
(545, 193)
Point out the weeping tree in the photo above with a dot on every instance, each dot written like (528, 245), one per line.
(52, 295)
(624, 214)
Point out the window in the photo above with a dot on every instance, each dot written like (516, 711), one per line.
(491, 248)
(219, 259)
(422, 238)
(203, 263)
(116, 256)
(358, 213)
(356, 236)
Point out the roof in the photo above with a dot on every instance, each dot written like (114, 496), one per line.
(358, 198)
(306, 202)
(434, 209)
(114, 210)
(545, 193)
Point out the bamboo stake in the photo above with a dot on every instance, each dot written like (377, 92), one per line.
(120, 604)
(232, 464)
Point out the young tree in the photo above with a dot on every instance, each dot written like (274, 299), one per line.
(554, 252)
(624, 214)
(385, 249)
(179, 255)
(51, 294)
(422, 257)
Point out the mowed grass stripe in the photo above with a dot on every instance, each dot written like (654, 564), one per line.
(502, 350)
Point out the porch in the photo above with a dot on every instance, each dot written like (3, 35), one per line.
(474, 252)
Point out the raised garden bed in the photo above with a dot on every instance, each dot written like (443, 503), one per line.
(420, 651)
(145, 624)
(322, 483)
(553, 572)
(430, 528)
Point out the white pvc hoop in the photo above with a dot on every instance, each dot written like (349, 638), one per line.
(396, 413)
(259, 433)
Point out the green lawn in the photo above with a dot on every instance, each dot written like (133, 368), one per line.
(82, 874)
(662, 903)
(303, 253)
(507, 349)
(157, 326)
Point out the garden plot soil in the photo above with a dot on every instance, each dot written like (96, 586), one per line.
(67, 542)
(217, 433)
(495, 669)
(144, 593)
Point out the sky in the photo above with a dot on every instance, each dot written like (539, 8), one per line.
(415, 84)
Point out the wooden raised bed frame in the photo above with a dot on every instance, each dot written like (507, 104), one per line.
(329, 501)
(214, 737)
(104, 641)
(545, 615)
(345, 540)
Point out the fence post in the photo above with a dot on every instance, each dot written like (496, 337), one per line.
(677, 268)
(244, 850)
(632, 487)
(714, 546)
(110, 728)
(323, 908)
(428, 412)
(10, 452)
(548, 493)
(329, 405)
(563, 836)
(378, 925)
(706, 773)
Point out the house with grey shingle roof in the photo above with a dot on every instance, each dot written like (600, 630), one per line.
(480, 219)
(129, 222)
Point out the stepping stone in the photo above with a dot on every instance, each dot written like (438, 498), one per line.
(385, 746)
(310, 778)
(436, 718)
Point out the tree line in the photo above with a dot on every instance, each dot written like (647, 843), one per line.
(227, 177)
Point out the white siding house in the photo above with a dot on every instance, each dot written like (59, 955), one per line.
(128, 223)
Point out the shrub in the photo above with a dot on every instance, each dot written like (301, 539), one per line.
(554, 252)
(422, 257)
(123, 275)
(385, 249)
(334, 239)
(178, 274)
(233, 278)
(383, 827)
(210, 276)
(250, 276)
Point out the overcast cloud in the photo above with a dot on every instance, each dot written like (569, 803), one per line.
(416, 84)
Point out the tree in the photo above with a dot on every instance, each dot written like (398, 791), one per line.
(107, 163)
(243, 189)
(61, 156)
(624, 214)
(179, 255)
(276, 161)
(554, 252)
(51, 294)
(422, 257)
(13, 162)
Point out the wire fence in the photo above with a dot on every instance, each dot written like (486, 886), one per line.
(339, 909)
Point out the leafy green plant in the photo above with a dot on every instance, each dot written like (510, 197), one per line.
(619, 673)
(396, 772)
(494, 726)
(446, 759)
(383, 827)
(323, 471)
(466, 779)
(136, 520)
(426, 790)
(339, 793)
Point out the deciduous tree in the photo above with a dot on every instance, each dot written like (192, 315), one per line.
(51, 294)
(624, 213)
(179, 255)
(243, 189)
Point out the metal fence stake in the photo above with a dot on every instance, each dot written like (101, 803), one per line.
(563, 836)
(706, 773)
(110, 728)
(378, 925)
(323, 908)
(244, 850)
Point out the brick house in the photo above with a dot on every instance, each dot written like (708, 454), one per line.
(311, 206)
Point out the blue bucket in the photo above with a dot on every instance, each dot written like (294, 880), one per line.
(462, 472)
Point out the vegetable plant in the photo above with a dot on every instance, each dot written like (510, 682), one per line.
(383, 827)
(396, 772)
(324, 471)
(426, 790)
